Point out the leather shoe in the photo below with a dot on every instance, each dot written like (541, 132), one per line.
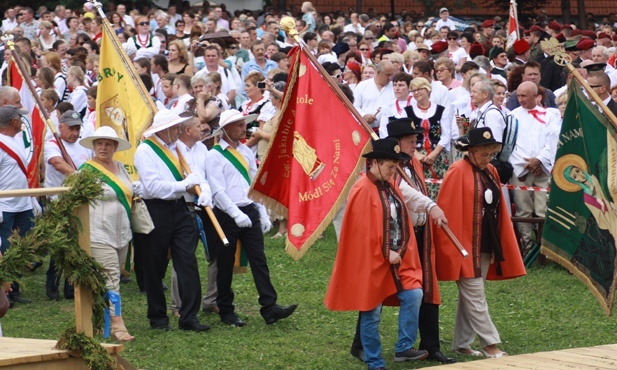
(232, 319)
(52, 293)
(194, 326)
(161, 327)
(211, 309)
(277, 313)
(19, 299)
(440, 357)
(357, 353)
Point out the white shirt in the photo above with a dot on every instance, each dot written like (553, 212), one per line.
(492, 119)
(77, 153)
(8, 25)
(128, 20)
(229, 187)
(146, 52)
(440, 95)
(456, 57)
(79, 98)
(227, 80)
(535, 139)
(368, 97)
(180, 105)
(195, 157)
(109, 222)
(158, 181)
(391, 110)
(358, 29)
(12, 176)
(448, 23)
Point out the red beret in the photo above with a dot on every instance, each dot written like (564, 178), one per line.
(439, 47)
(536, 28)
(590, 34)
(355, 67)
(554, 26)
(476, 49)
(520, 46)
(566, 26)
(560, 37)
(604, 35)
(527, 32)
(576, 32)
(585, 44)
(488, 23)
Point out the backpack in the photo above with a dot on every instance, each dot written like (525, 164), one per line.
(509, 135)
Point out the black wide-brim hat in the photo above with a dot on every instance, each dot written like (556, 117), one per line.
(481, 136)
(387, 148)
(401, 127)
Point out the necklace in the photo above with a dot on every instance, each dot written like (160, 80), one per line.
(142, 43)
(424, 109)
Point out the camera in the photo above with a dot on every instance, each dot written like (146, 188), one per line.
(261, 85)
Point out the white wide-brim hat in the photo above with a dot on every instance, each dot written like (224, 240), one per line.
(105, 132)
(232, 116)
(164, 119)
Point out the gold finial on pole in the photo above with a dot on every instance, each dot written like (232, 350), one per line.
(288, 24)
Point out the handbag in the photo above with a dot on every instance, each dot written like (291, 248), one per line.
(141, 222)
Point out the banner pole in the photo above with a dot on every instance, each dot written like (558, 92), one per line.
(288, 24)
(25, 75)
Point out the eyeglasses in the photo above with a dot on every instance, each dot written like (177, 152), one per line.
(363, 49)
(441, 70)
(417, 91)
(143, 23)
(20, 14)
(233, 47)
(369, 38)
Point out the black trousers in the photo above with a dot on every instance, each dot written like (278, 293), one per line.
(175, 229)
(252, 241)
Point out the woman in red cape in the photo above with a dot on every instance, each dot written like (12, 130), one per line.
(472, 200)
(377, 260)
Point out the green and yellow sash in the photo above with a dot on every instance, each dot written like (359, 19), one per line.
(120, 188)
(167, 157)
(236, 159)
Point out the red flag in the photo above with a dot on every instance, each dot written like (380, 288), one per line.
(33, 125)
(313, 158)
(512, 25)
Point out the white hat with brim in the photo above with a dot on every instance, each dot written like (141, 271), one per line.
(232, 116)
(105, 132)
(164, 119)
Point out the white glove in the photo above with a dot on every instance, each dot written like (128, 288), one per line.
(36, 207)
(205, 199)
(191, 180)
(138, 189)
(242, 220)
(264, 219)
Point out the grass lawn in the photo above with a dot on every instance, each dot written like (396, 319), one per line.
(546, 310)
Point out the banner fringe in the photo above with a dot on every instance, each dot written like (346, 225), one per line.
(552, 255)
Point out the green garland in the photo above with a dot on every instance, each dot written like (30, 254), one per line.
(56, 232)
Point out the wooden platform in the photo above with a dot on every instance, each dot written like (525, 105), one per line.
(21, 353)
(599, 357)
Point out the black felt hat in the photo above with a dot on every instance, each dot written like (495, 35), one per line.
(402, 127)
(387, 148)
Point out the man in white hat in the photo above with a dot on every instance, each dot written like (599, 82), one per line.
(230, 168)
(163, 189)
(192, 132)
(56, 170)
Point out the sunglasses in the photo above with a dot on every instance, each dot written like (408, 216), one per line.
(338, 75)
(143, 23)
(233, 47)
(20, 14)
(369, 38)
(452, 38)
(363, 49)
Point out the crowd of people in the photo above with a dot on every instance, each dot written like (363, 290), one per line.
(218, 80)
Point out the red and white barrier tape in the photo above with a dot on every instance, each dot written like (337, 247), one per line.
(513, 187)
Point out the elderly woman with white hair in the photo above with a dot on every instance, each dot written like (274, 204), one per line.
(110, 227)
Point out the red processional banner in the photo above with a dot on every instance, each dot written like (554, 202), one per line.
(313, 157)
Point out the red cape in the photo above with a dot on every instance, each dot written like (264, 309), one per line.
(456, 198)
(361, 279)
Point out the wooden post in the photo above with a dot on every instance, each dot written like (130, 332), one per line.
(83, 298)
